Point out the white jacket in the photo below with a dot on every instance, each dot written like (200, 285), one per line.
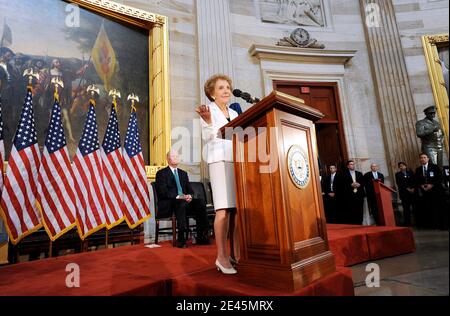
(217, 149)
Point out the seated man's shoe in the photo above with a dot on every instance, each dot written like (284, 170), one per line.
(233, 261)
(182, 245)
(202, 241)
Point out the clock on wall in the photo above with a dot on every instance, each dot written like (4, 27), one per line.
(300, 36)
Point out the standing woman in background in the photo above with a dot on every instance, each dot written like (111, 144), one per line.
(221, 168)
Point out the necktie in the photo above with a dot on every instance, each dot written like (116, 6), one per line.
(424, 171)
(375, 175)
(177, 180)
(332, 180)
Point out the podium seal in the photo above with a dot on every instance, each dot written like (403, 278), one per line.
(299, 168)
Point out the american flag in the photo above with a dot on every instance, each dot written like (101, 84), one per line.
(3, 234)
(56, 180)
(19, 194)
(2, 146)
(112, 172)
(136, 193)
(87, 167)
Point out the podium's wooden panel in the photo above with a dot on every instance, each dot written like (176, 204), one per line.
(283, 228)
(383, 195)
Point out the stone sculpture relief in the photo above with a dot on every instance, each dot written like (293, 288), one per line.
(297, 12)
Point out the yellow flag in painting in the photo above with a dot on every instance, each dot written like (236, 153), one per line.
(104, 58)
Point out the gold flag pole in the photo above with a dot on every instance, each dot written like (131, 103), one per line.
(133, 98)
(58, 83)
(94, 91)
(115, 95)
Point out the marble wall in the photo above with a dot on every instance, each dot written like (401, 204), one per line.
(344, 30)
(184, 70)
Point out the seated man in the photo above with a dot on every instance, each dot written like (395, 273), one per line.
(175, 196)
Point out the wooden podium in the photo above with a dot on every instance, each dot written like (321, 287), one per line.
(383, 194)
(282, 224)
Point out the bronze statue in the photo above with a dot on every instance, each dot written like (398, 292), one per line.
(430, 132)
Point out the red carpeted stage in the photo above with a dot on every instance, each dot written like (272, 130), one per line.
(167, 271)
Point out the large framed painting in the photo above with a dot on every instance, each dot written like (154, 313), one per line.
(437, 56)
(86, 42)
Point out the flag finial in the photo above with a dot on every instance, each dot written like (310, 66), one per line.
(115, 94)
(31, 74)
(133, 98)
(58, 83)
(93, 90)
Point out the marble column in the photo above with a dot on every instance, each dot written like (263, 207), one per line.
(214, 45)
(214, 40)
(394, 95)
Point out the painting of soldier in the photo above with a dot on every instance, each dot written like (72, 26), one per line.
(94, 50)
(296, 12)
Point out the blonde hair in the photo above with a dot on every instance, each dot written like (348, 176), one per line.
(210, 85)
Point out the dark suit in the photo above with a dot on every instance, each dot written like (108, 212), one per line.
(331, 204)
(352, 205)
(168, 204)
(404, 182)
(370, 192)
(429, 202)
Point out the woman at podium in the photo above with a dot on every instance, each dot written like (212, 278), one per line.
(219, 157)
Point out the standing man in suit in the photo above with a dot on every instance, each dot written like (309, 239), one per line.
(330, 186)
(406, 189)
(352, 188)
(429, 192)
(175, 195)
(369, 178)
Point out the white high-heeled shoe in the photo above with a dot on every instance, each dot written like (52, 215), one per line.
(225, 270)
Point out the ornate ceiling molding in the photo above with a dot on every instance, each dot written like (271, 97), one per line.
(123, 9)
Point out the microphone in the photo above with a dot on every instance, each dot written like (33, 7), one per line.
(246, 96)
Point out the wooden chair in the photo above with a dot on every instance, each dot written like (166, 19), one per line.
(199, 193)
(163, 231)
(202, 191)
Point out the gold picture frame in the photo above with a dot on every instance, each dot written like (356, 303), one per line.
(431, 44)
(159, 94)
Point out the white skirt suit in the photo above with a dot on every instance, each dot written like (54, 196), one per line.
(219, 154)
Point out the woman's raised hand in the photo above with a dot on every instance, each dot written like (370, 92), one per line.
(205, 113)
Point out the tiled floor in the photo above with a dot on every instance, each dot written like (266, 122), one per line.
(423, 273)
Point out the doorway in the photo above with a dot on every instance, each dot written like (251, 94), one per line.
(330, 132)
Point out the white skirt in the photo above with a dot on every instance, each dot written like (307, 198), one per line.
(223, 185)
